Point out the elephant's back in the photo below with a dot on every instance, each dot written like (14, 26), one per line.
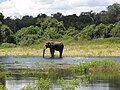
(58, 46)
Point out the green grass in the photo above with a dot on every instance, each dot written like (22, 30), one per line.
(97, 47)
(100, 66)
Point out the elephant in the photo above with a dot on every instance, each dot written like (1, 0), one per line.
(54, 45)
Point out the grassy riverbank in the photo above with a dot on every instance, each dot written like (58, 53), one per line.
(99, 47)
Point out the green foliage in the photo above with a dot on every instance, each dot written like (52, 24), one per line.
(1, 17)
(53, 29)
(88, 32)
(100, 31)
(6, 34)
(7, 45)
(103, 63)
(113, 12)
(88, 25)
(72, 32)
(52, 33)
(29, 35)
(28, 87)
(115, 32)
(71, 85)
(85, 81)
(93, 32)
(2, 79)
(44, 84)
(2, 87)
(94, 66)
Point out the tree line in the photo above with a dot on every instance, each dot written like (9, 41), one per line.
(88, 25)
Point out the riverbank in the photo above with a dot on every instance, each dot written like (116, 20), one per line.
(72, 48)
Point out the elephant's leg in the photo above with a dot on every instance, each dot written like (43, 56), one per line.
(52, 52)
(60, 54)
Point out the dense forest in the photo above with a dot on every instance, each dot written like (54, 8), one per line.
(90, 25)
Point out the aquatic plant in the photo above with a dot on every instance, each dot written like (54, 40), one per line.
(2, 87)
(44, 84)
(95, 66)
(104, 66)
(70, 85)
(28, 87)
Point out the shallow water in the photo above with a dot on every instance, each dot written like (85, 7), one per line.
(30, 62)
(69, 60)
(96, 85)
(18, 83)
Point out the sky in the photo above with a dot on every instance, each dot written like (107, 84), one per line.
(19, 8)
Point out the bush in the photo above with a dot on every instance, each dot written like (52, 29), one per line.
(44, 84)
(28, 87)
(8, 45)
(26, 42)
(115, 32)
(5, 34)
(100, 31)
(28, 36)
(94, 66)
(88, 32)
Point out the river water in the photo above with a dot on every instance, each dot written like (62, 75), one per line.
(18, 83)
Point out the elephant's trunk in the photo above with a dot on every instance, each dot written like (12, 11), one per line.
(44, 51)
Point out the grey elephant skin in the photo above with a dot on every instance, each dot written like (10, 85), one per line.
(53, 45)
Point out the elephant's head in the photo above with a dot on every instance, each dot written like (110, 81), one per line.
(47, 45)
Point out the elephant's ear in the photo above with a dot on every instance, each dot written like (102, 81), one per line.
(51, 44)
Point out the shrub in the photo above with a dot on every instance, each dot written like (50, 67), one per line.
(44, 84)
(87, 32)
(8, 45)
(28, 87)
(115, 32)
(29, 35)
(94, 66)
(100, 31)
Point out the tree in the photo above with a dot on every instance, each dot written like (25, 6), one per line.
(0, 33)
(113, 12)
(115, 32)
(28, 35)
(72, 32)
(1, 17)
(6, 34)
(41, 15)
(58, 16)
(27, 21)
(88, 32)
(51, 26)
(102, 17)
(72, 20)
(13, 24)
(100, 31)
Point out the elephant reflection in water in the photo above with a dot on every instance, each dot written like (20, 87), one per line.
(53, 45)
